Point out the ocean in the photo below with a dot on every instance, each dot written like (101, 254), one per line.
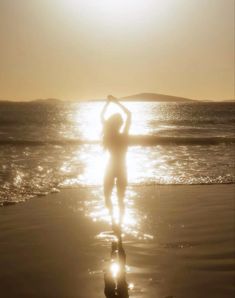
(45, 146)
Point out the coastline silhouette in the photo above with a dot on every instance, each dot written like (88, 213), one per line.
(115, 141)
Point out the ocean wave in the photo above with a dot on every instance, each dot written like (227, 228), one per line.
(45, 121)
(45, 142)
(155, 140)
(152, 183)
(193, 122)
(134, 140)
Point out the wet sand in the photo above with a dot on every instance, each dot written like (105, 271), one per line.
(49, 248)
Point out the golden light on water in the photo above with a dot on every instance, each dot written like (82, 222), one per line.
(94, 159)
(115, 269)
(130, 222)
(131, 286)
(87, 119)
(151, 165)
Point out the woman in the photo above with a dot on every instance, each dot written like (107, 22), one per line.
(115, 140)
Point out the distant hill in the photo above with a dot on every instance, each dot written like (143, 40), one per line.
(47, 100)
(157, 97)
(229, 100)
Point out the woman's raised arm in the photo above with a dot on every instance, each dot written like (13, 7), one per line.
(125, 110)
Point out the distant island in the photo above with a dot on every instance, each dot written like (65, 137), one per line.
(157, 97)
(48, 100)
(34, 101)
(147, 97)
(229, 100)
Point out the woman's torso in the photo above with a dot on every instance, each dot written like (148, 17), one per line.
(117, 149)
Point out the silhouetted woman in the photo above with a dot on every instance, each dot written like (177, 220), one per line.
(115, 140)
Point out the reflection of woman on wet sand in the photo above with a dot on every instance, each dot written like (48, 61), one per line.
(115, 141)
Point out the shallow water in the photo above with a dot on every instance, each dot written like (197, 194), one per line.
(178, 240)
(52, 248)
(44, 147)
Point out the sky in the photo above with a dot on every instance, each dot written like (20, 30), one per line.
(86, 49)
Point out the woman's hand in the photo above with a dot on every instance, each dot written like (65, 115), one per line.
(111, 98)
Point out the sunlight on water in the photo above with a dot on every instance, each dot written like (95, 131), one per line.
(115, 269)
(132, 221)
(145, 165)
(131, 286)
(140, 166)
(61, 146)
(87, 119)
(159, 164)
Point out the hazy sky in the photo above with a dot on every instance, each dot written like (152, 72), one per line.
(79, 49)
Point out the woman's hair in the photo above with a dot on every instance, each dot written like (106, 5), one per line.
(111, 128)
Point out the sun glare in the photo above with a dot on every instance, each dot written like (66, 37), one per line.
(112, 6)
(115, 269)
(122, 6)
(112, 11)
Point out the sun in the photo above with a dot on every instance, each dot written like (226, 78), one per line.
(112, 10)
(122, 6)
(116, 18)
(111, 5)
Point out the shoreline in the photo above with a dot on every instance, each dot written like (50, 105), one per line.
(49, 245)
(58, 189)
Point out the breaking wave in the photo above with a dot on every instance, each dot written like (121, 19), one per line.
(134, 140)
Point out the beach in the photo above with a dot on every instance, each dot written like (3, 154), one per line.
(182, 246)
(117, 142)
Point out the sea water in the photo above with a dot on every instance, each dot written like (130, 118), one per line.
(48, 145)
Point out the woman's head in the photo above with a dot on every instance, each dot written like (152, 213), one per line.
(111, 129)
(114, 122)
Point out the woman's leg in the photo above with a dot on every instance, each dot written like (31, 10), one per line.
(121, 190)
(108, 188)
